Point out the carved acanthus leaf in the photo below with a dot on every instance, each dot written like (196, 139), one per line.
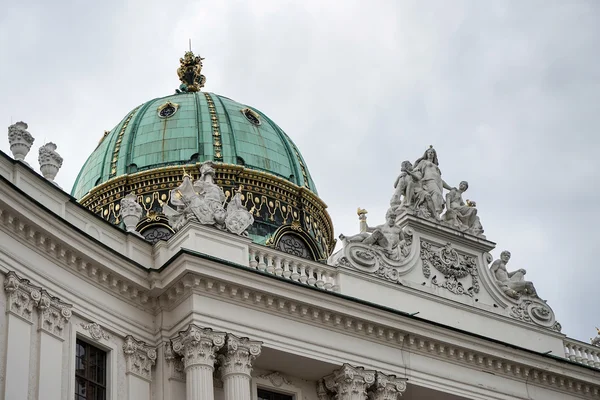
(198, 345)
(239, 355)
(22, 296)
(350, 383)
(139, 357)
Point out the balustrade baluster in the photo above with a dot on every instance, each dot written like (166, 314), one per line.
(320, 283)
(253, 262)
(287, 272)
(270, 265)
(278, 269)
(311, 276)
(261, 262)
(303, 277)
(295, 274)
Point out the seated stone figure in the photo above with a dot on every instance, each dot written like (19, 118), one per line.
(513, 283)
(460, 215)
(386, 237)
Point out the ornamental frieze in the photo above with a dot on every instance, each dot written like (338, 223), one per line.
(452, 271)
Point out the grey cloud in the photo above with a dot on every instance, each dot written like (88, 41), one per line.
(507, 92)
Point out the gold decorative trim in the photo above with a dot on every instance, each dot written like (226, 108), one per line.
(115, 157)
(217, 147)
(276, 200)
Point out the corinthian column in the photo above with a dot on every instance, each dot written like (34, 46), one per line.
(198, 347)
(387, 387)
(350, 383)
(236, 366)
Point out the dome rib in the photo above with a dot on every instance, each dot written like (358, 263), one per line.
(133, 129)
(232, 138)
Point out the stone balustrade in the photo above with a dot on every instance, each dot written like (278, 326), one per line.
(294, 268)
(582, 353)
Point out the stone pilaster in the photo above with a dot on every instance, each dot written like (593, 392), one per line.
(236, 366)
(139, 359)
(198, 346)
(350, 383)
(54, 314)
(387, 387)
(22, 297)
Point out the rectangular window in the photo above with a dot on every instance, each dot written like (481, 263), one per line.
(90, 372)
(267, 395)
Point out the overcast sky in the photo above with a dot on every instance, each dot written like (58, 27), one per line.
(508, 92)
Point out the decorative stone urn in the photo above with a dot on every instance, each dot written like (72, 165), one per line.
(131, 212)
(20, 140)
(50, 161)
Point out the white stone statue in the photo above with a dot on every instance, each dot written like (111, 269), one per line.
(596, 341)
(419, 189)
(238, 219)
(20, 140)
(387, 237)
(461, 215)
(131, 212)
(203, 201)
(428, 173)
(409, 194)
(50, 161)
(513, 284)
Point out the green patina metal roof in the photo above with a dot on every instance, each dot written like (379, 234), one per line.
(205, 126)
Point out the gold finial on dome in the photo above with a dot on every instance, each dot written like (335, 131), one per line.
(189, 73)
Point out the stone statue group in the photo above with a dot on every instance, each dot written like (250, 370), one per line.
(419, 191)
(204, 201)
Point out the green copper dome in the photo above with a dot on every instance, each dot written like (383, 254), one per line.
(192, 127)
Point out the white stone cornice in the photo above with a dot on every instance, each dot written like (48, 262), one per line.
(350, 383)
(114, 276)
(239, 355)
(139, 357)
(387, 387)
(381, 327)
(54, 314)
(22, 296)
(198, 346)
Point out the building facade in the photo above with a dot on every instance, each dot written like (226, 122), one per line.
(195, 260)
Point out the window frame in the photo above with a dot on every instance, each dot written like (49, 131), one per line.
(111, 349)
(98, 383)
(265, 384)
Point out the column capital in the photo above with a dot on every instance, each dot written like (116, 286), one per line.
(350, 383)
(54, 314)
(139, 357)
(239, 355)
(21, 295)
(198, 346)
(387, 387)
